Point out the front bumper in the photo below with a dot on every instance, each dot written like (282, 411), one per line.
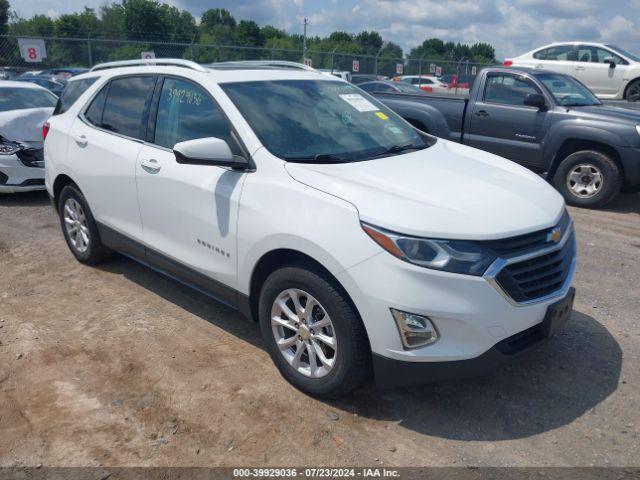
(391, 373)
(17, 177)
(473, 316)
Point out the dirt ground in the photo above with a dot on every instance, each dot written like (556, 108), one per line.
(117, 365)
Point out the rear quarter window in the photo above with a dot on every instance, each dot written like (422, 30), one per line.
(71, 93)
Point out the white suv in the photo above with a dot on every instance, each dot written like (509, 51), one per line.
(609, 71)
(357, 242)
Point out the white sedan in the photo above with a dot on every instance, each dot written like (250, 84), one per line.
(609, 71)
(24, 107)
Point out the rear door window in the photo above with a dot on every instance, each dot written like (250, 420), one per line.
(126, 104)
(557, 53)
(71, 93)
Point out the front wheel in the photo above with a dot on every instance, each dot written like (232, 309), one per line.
(588, 179)
(633, 91)
(312, 333)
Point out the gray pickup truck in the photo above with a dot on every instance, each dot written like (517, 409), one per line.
(546, 121)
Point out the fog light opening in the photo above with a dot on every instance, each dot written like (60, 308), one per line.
(415, 330)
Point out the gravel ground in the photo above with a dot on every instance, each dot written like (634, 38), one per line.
(119, 366)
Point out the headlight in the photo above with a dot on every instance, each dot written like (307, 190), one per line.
(456, 256)
(9, 148)
(638, 129)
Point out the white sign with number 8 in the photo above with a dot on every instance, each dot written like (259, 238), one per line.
(32, 50)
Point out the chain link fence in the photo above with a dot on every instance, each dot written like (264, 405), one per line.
(86, 52)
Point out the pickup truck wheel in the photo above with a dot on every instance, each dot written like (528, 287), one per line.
(588, 179)
(79, 227)
(312, 333)
(633, 91)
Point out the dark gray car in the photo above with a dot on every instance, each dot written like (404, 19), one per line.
(546, 121)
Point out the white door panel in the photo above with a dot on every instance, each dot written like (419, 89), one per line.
(189, 212)
(600, 77)
(106, 164)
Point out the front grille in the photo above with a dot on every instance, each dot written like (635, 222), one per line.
(538, 277)
(528, 242)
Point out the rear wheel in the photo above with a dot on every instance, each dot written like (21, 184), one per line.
(588, 179)
(312, 333)
(79, 227)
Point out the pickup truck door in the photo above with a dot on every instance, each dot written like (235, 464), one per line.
(600, 77)
(189, 212)
(500, 123)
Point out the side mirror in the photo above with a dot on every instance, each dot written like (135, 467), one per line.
(535, 100)
(208, 151)
(610, 61)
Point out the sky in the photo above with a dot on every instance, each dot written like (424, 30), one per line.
(512, 27)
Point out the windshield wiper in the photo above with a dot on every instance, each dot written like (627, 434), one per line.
(320, 158)
(398, 149)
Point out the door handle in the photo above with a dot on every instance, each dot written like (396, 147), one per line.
(580, 68)
(539, 66)
(150, 166)
(481, 113)
(81, 140)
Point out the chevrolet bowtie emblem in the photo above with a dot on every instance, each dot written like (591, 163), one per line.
(554, 235)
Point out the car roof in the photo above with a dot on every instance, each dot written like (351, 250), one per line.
(225, 72)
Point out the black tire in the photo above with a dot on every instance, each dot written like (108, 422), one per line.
(352, 357)
(632, 94)
(611, 178)
(95, 252)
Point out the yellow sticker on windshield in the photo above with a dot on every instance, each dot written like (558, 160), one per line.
(381, 116)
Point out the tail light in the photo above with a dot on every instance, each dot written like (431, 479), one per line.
(45, 130)
(507, 63)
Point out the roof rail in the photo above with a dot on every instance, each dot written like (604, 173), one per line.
(260, 64)
(178, 62)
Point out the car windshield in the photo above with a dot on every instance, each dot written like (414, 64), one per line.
(624, 53)
(321, 121)
(567, 91)
(20, 98)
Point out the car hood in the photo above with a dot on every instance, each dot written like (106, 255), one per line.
(24, 125)
(445, 191)
(610, 113)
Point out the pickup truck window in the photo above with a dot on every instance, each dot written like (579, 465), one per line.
(321, 121)
(567, 91)
(507, 89)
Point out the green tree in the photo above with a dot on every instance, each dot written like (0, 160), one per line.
(145, 19)
(248, 34)
(216, 17)
(483, 52)
(371, 42)
(4, 15)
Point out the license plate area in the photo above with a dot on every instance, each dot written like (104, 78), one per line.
(558, 313)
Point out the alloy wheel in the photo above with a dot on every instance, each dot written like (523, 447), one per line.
(584, 180)
(304, 333)
(76, 225)
(633, 94)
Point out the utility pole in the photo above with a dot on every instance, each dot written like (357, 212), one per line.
(304, 40)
